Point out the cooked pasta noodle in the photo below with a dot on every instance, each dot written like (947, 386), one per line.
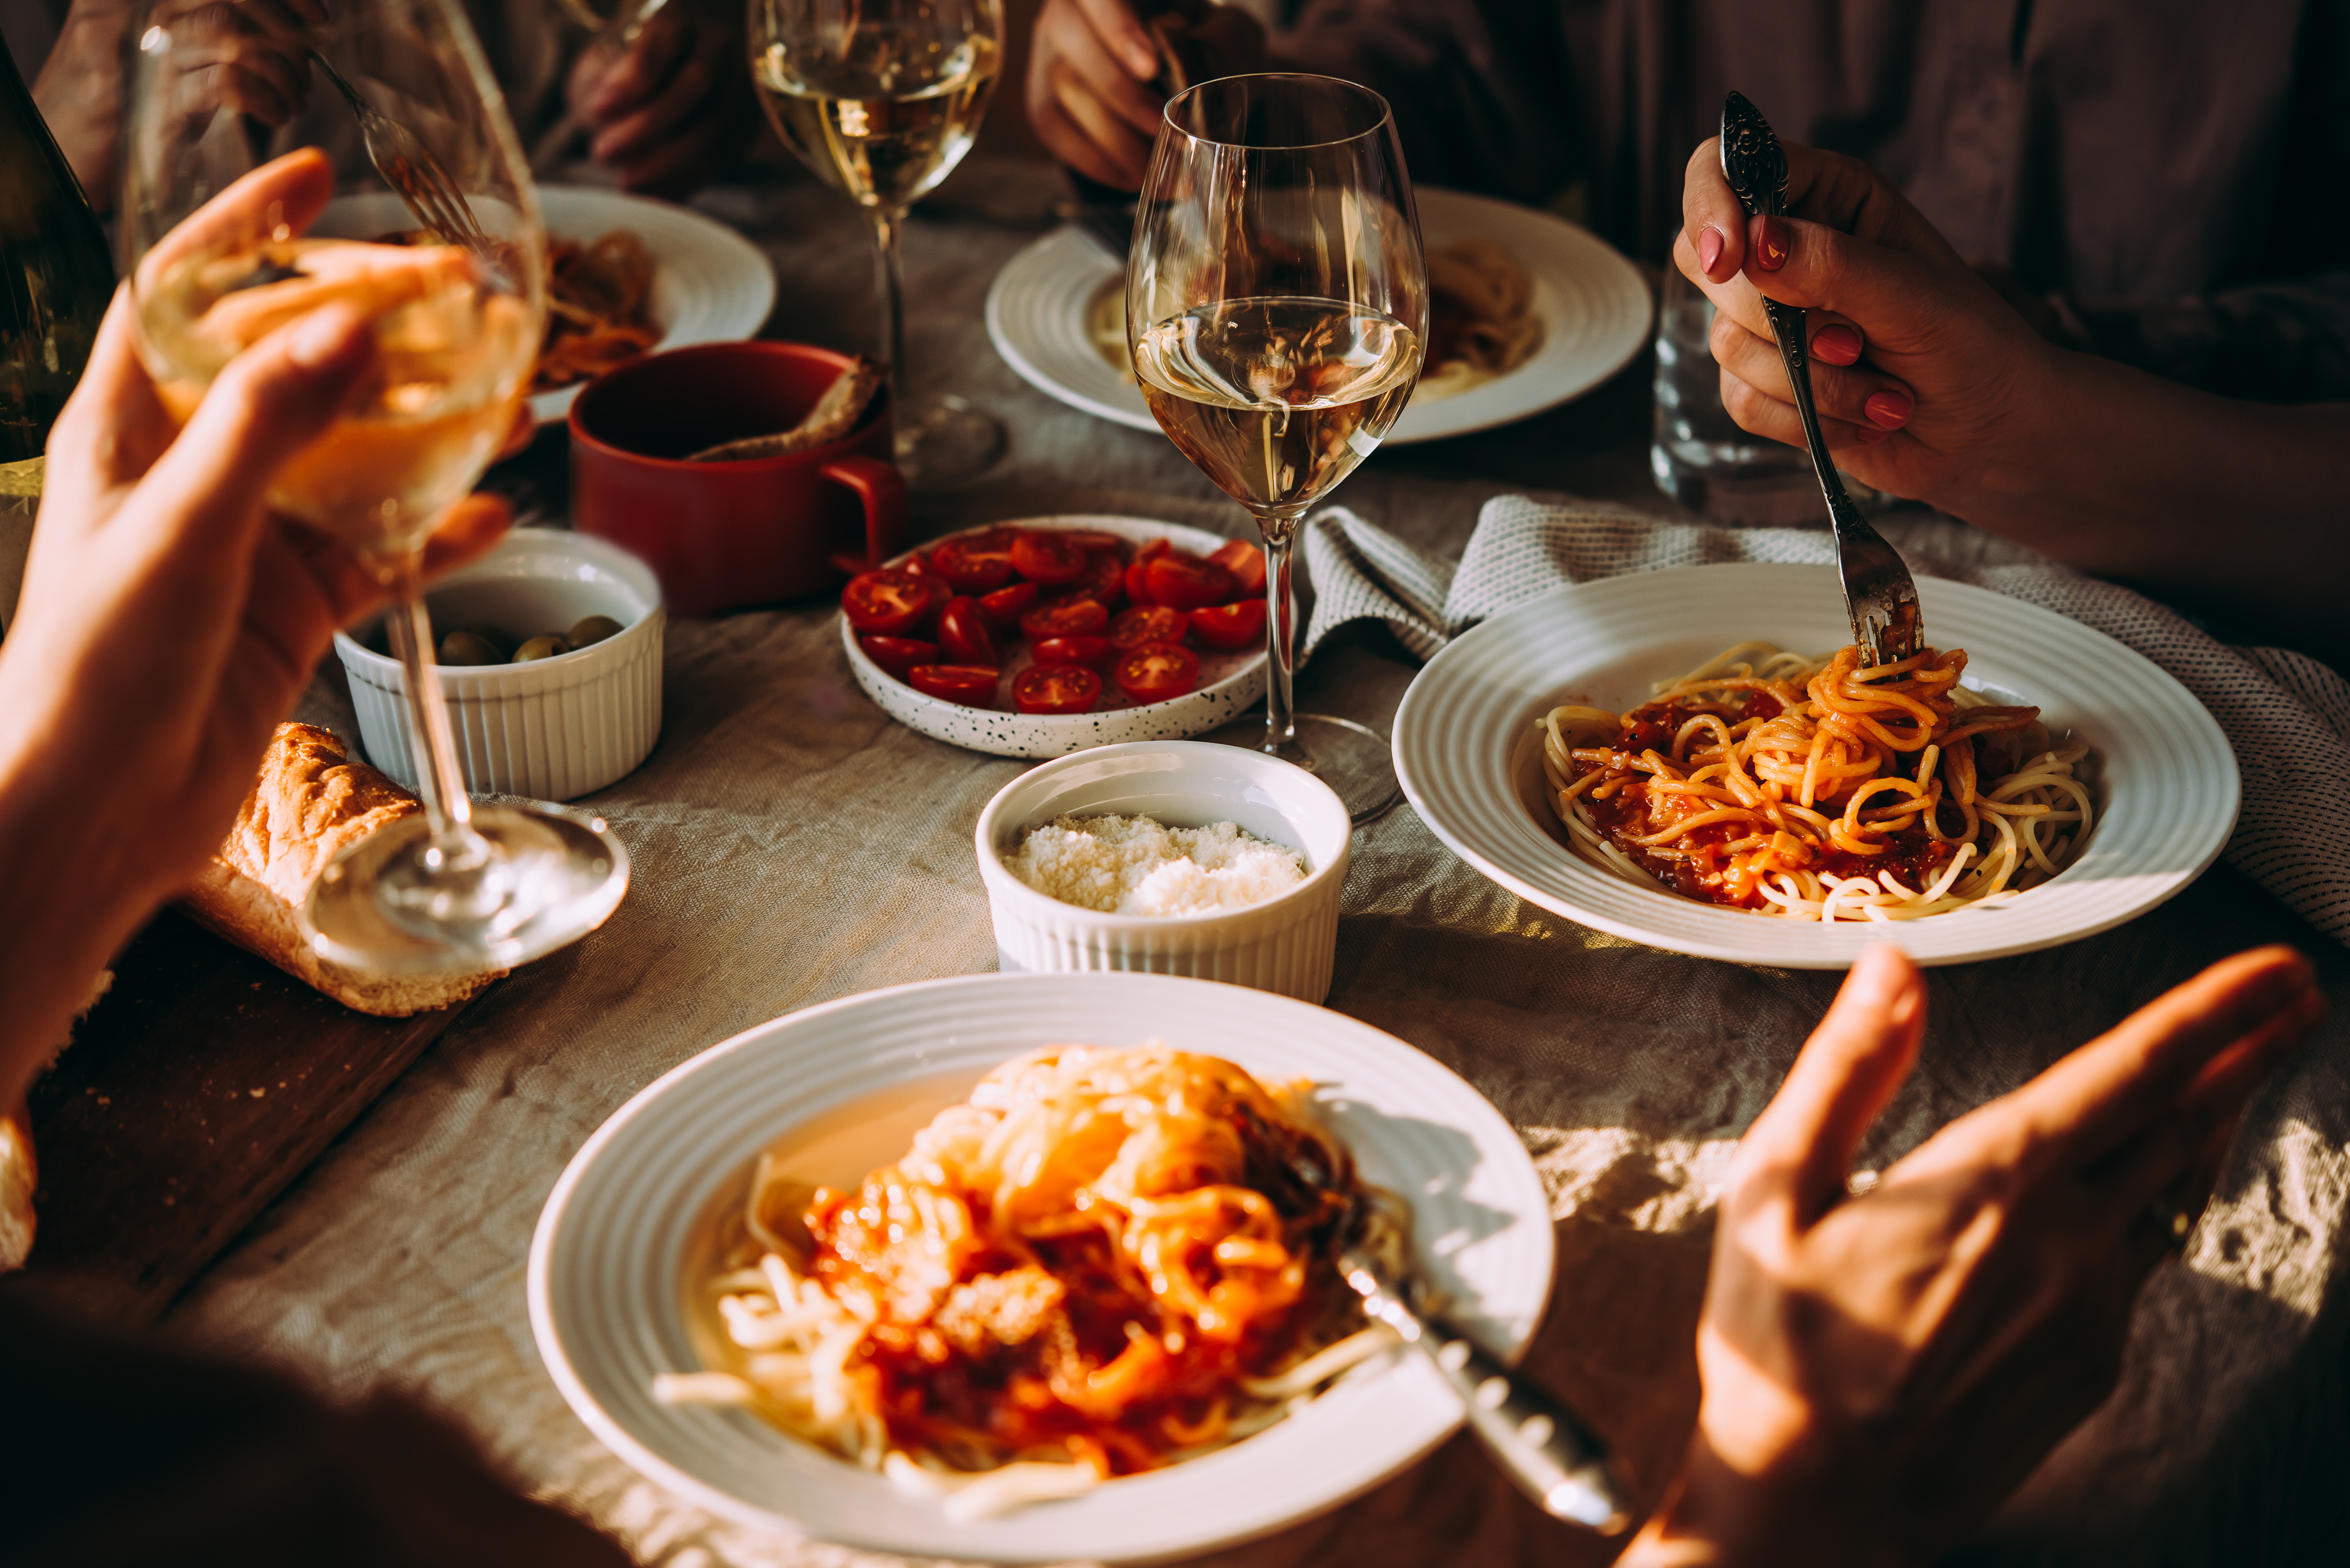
(1819, 789)
(1103, 1262)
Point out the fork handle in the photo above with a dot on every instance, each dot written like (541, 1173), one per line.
(1787, 326)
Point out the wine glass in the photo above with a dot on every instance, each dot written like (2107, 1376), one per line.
(1276, 304)
(233, 231)
(883, 97)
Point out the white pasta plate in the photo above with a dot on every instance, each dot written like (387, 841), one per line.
(1594, 305)
(709, 283)
(1469, 757)
(1231, 682)
(846, 1085)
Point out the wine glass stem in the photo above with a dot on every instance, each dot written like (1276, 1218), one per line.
(439, 781)
(890, 284)
(1280, 632)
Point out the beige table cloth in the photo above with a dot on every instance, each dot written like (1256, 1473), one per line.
(793, 844)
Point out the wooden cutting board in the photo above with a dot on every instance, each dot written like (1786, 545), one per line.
(199, 1087)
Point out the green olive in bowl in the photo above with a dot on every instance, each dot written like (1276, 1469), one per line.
(541, 648)
(469, 648)
(592, 629)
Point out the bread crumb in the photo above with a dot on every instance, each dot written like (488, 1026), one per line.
(1135, 866)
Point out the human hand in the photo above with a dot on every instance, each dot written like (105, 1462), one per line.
(1881, 1370)
(1090, 98)
(667, 104)
(1922, 373)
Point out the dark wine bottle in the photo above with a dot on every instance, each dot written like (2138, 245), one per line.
(56, 275)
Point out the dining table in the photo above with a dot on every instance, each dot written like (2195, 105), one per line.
(793, 844)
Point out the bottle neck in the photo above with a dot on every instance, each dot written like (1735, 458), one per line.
(57, 274)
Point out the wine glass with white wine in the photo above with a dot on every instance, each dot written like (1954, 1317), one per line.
(234, 233)
(883, 97)
(1276, 304)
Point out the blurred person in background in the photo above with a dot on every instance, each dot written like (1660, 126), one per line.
(2156, 181)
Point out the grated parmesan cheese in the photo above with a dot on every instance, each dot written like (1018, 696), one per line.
(1135, 866)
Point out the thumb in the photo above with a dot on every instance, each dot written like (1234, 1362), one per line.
(1847, 1072)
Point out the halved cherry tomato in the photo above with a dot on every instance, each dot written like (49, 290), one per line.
(1104, 578)
(1046, 556)
(1188, 582)
(890, 603)
(973, 684)
(1157, 670)
(975, 563)
(963, 632)
(1064, 617)
(1055, 689)
(1091, 651)
(1096, 539)
(1244, 561)
(898, 654)
(1138, 575)
(1149, 623)
(1005, 606)
(1235, 625)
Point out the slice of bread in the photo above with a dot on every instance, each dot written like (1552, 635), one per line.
(310, 801)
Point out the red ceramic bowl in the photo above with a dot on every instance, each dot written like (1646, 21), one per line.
(725, 534)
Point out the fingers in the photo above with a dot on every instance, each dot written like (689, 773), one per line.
(467, 534)
(288, 191)
(642, 71)
(1121, 170)
(1121, 35)
(1848, 1069)
(1852, 393)
(113, 426)
(1088, 99)
(525, 430)
(644, 128)
(1713, 224)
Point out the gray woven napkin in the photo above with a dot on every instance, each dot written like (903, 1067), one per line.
(2287, 716)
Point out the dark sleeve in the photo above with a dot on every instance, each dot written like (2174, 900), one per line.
(2271, 343)
(1480, 89)
(118, 1450)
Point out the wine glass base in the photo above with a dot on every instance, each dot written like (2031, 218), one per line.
(1355, 761)
(947, 443)
(562, 874)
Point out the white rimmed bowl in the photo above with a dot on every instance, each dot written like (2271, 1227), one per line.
(1231, 682)
(550, 730)
(1284, 944)
(607, 1264)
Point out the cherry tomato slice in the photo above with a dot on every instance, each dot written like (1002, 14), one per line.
(1236, 625)
(975, 563)
(1138, 575)
(970, 684)
(890, 603)
(963, 632)
(1055, 689)
(1187, 583)
(1245, 562)
(1157, 670)
(898, 654)
(1084, 648)
(1064, 617)
(1047, 557)
(1005, 607)
(1096, 539)
(1104, 578)
(1149, 623)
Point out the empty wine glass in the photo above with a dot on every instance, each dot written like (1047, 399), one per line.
(1276, 305)
(233, 231)
(883, 97)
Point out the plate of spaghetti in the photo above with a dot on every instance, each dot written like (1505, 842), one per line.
(2026, 783)
(1030, 1267)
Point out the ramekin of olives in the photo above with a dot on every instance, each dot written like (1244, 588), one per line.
(488, 645)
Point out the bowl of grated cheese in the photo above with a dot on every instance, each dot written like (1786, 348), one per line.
(1170, 857)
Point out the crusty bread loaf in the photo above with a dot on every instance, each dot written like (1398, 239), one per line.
(19, 1178)
(310, 801)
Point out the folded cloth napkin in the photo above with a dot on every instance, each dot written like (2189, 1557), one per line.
(2287, 716)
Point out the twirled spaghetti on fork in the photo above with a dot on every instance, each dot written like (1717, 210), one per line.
(1820, 789)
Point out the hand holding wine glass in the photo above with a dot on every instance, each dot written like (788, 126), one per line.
(1277, 309)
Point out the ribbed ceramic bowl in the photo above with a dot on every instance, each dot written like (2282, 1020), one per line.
(2160, 769)
(1284, 944)
(607, 1265)
(551, 730)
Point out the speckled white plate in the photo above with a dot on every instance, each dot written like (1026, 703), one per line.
(2163, 775)
(607, 1267)
(1230, 683)
(1594, 305)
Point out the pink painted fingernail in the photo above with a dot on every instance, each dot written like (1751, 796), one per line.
(1708, 249)
(1888, 409)
(1775, 242)
(1836, 345)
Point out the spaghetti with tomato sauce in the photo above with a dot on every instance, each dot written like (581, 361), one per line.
(1103, 1262)
(1819, 788)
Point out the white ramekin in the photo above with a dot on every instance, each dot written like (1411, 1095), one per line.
(550, 730)
(1284, 944)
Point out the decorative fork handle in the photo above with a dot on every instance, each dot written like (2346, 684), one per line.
(1554, 1458)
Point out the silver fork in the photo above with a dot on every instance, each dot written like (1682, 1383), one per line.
(410, 170)
(1879, 594)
